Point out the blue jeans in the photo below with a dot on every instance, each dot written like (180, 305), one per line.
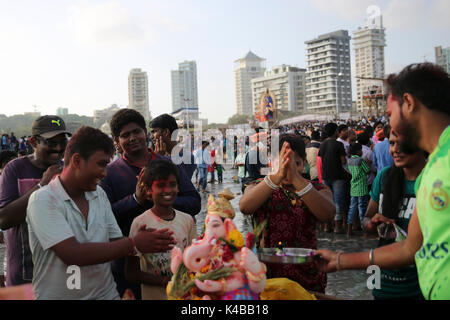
(203, 177)
(360, 203)
(341, 193)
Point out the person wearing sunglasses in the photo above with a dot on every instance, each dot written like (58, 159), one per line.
(20, 178)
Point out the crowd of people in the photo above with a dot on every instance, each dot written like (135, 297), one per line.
(115, 206)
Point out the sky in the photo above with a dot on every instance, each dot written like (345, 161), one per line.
(78, 54)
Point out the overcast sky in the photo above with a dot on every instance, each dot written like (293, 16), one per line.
(77, 54)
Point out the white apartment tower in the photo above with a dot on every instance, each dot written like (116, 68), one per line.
(184, 86)
(138, 92)
(328, 79)
(443, 57)
(369, 43)
(287, 83)
(246, 69)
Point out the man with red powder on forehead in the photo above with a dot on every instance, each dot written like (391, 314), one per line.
(419, 107)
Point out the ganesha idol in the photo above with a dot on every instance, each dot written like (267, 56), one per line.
(219, 265)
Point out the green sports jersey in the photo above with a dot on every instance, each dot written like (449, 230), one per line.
(433, 211)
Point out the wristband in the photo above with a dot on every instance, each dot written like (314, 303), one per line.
(371, 257)
(305, 190)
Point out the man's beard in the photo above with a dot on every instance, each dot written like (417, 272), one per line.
(409, 137)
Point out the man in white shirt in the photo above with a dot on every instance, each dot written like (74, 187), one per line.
(72, 230)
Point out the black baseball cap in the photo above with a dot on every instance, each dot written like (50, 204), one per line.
(48, 127)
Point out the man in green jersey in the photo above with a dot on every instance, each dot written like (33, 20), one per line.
(419, 107)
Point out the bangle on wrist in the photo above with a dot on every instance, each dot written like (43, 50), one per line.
(371, 257)
(270, 184)
(305, 190)
(135, 199)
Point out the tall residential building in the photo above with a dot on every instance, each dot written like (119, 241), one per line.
(246, 69)
(138, 92)
(443, 58)
(103, 116)
(287, 83)
(369, 43)
(184, 86)
(328, 79)
(61, 112)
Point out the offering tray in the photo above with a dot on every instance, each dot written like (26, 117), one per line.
(286, 255)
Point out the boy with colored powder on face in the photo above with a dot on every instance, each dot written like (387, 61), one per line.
(152, 271)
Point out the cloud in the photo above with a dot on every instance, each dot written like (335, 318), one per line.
(348, 9)
(440, 12)
(406, 15)
(108, 24)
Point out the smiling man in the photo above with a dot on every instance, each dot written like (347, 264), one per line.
(127, 193)
(20, 178)
(71, 224)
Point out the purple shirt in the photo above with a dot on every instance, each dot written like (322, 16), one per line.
(18, 177)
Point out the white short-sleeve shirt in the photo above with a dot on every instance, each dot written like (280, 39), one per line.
(53, 217)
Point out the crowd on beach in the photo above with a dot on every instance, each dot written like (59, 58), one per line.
(115, 206)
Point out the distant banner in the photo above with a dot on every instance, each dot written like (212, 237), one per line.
(267, 107)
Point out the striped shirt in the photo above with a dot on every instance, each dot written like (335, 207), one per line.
(359, 169)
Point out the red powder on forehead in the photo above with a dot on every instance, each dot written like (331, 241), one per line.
(165, 181)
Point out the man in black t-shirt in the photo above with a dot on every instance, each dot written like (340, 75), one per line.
(334, 176)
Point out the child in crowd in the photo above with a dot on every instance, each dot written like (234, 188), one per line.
(220, 170)
(152, 270)
(359, 190)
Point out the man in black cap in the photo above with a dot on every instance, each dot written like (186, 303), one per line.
(20, 178)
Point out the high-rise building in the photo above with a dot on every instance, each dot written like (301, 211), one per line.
(246, 69)
(138, 92)
(287, 83)
(369, 43)
(328, 79)
(184, 86)
(61, 112)
(443, 57)
(102, 116)
(185, 92)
